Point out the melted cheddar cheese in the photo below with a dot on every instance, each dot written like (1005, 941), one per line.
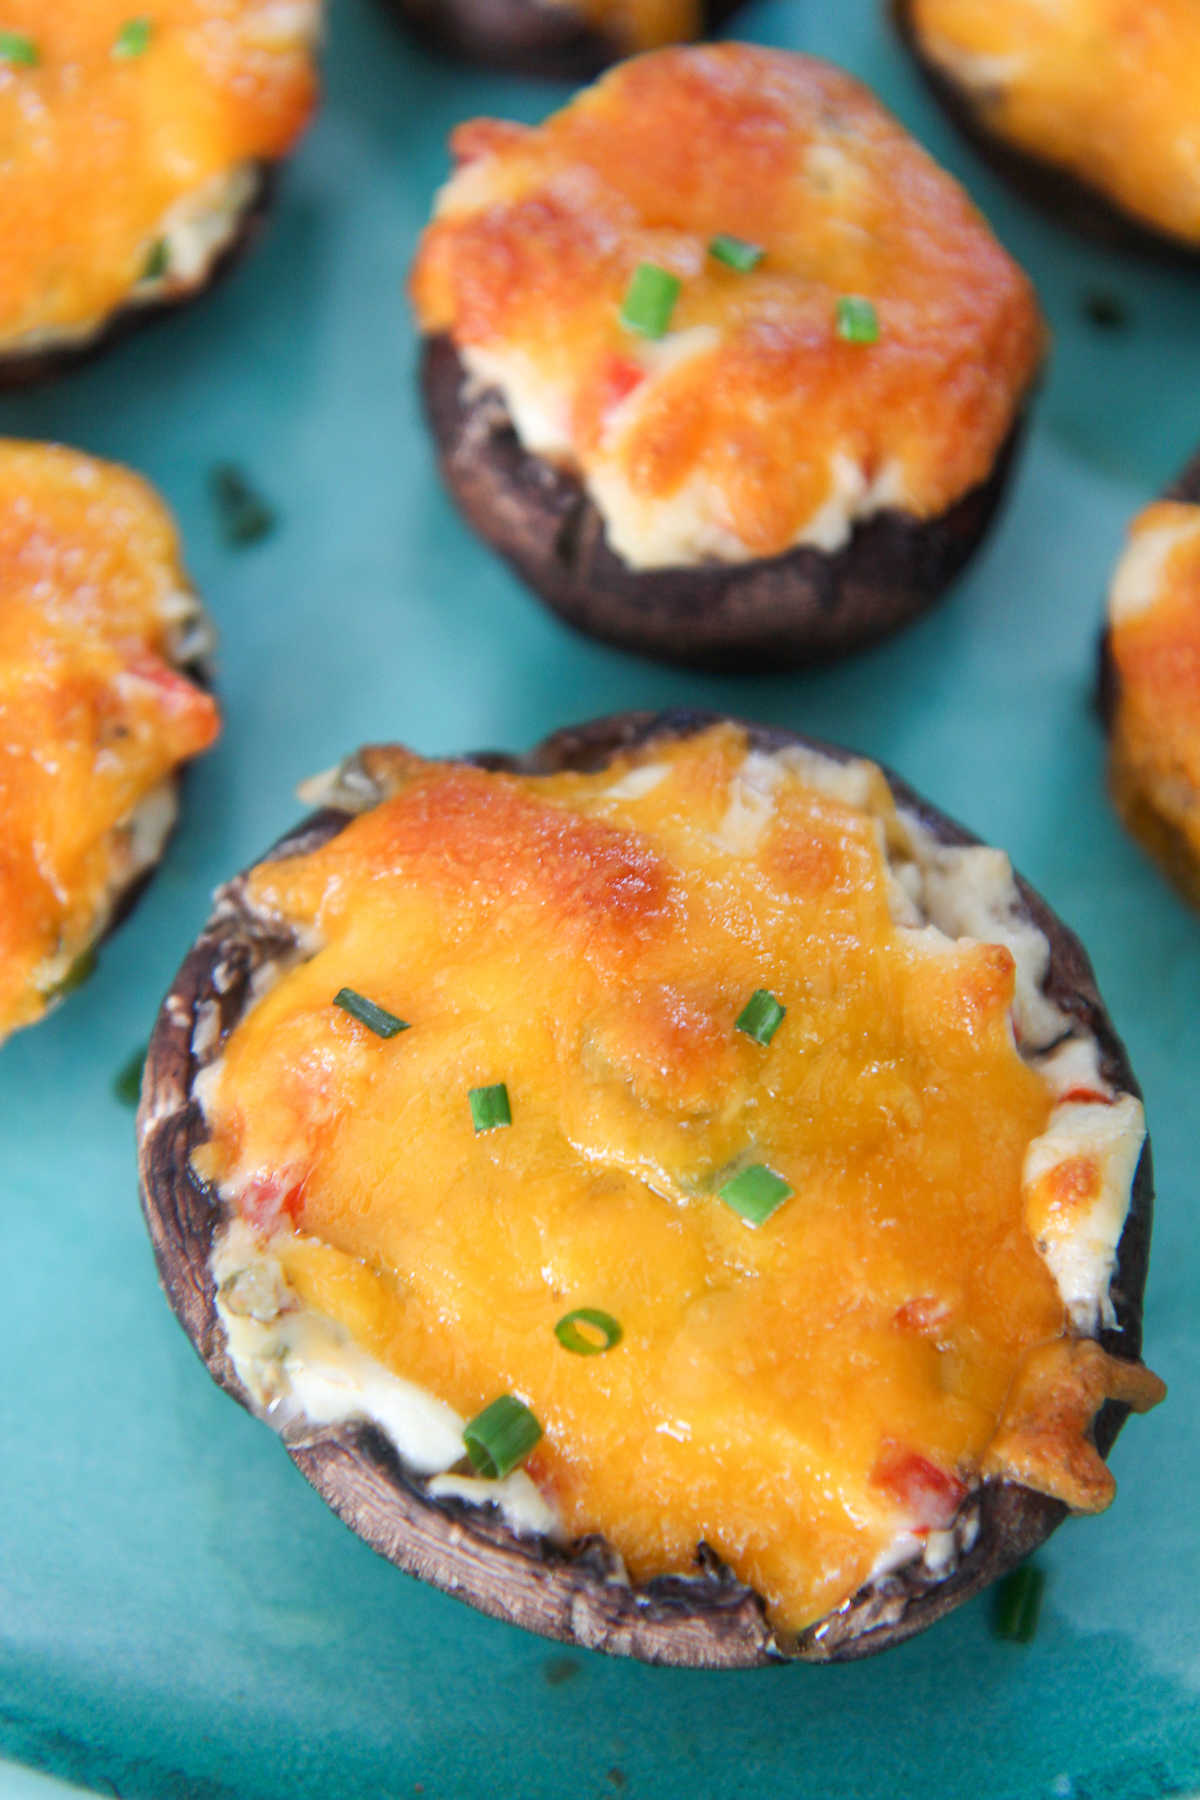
(752, 425)
(813, 1397)
(639, 24)
(1106, 89)
(125, 175)
(94, 717)
(1154, 640)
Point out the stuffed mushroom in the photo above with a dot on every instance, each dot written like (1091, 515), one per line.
(567, 40)
(1150, 682)
(101, 643)
(674, 1190)
(737, 407)
(1089, 106)
(139, 148)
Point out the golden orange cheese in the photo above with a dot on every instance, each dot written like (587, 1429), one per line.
(752, 425)
(1154, 641)
(1106, 89)
(94, 717)
(108, 156)
(640, 24)
(801, 1396)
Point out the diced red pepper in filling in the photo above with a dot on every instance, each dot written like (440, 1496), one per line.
(930, 1496)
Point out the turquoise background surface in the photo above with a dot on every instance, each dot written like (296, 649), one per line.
(179, 1614)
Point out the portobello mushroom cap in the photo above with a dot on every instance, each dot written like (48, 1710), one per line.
(27, 368)
(579, 1594)
(792, 609)
(527, 37)
(1158, 830)
(121, 512)
(1063, 196)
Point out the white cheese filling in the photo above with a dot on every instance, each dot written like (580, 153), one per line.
(1138, 579)
(189, 240)
(690, 526)
(301, 1368)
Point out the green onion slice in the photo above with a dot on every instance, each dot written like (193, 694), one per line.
(18, 50)
(157, 259)
(581, 1343)
(489, 1107)
(1018, 1603)
(127, 1082)
(650, 300)
(134, 37)
(755, 1193)
(857, 320)
(761, 1016)
(737, 253)
(376, 1018)
(244, 515)
(500, 1437)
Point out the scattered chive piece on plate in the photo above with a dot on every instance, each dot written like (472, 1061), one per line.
(1105, 310)
(582, 1343)
(1018, 1603)
(761, 1016)
(735, 252)
(500, 1437)
(489, 1107)
(376, 1018)
(650, 300)
(245, 516)
(127, 1082)
(857, 320)
(133, 39)
(18, 50)
(157, 258)
(755, 1193)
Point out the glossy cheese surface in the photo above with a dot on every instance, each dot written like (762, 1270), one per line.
(752, 425)
(94, 718)
(1154, 640)
(103, 155)
(1107, 89)
(802, 1395)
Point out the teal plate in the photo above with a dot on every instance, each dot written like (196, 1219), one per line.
(179, 1614)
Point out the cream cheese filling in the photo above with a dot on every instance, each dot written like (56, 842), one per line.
(690, 526)
(190, 239)
(301, 1370)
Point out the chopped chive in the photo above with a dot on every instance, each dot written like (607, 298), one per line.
(737, 253)
(761, 1016)
(133, 37)
(376, 1018)
(650, 300)
(81, 970)
(755, 1193)
(500, 1437)
(127, 1082)
(857, 320)
(157, 260)
(580, 1343)
(18, 50)
(1018, 1602)
(489, 1107)
(1106, 310)
(244, 515)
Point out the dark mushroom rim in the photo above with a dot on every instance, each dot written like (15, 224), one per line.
(29, 368)
(525, 37)
(1064, 197)
(579, 1594)
(801, 607)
